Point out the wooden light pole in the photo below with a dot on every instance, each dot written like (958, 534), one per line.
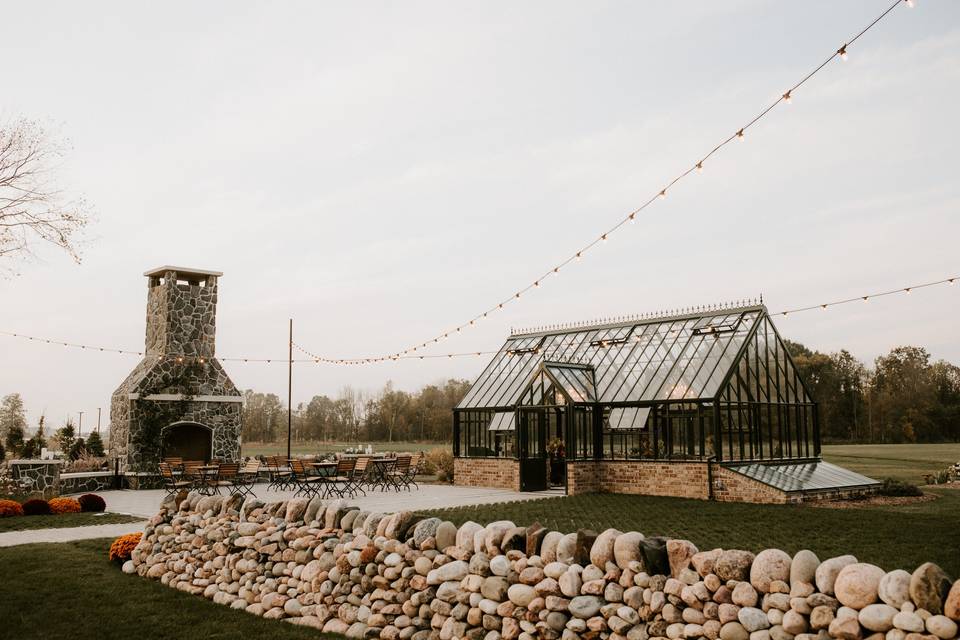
(289, 387)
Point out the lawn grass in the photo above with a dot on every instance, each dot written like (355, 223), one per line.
(306, 448)
(70, 590)
(901, 537)
(908, 462)
(26, 523)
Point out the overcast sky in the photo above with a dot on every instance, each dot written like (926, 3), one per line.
(380, 172)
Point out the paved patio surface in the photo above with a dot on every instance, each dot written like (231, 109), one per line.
(429, 496)
(146, 504)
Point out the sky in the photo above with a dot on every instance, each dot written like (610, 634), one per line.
(381, 172)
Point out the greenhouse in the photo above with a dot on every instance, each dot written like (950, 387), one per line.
(635, 406)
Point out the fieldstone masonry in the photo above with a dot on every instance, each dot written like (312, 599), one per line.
(396, 576)
(178, 375)
(37, 477)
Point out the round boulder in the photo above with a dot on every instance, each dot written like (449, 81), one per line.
(803, 567)
(929, 586)
(626, 549)
(857, 585)
(828, 571)
(768, 566)
(733, 564)
(894, 588)
(602, 550)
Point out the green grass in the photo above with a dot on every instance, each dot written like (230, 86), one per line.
(891, 537)
(907, 462)
(306, 448)
(25, 523)
(71, 590)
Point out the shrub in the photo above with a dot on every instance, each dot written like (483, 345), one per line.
(893, 487)
(123, 546)
(91, 502)
(36, 507)
(439, 461)
(64, 505)
(85, 462)
(9, 508)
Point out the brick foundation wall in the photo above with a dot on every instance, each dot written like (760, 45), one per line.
(730, 486)
(500, 473)
(651, 478)
(582, 477)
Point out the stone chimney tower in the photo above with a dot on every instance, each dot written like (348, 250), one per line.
(181, 311)
(179, 401)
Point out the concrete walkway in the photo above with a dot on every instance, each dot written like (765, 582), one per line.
(69, 534)
(146, 504)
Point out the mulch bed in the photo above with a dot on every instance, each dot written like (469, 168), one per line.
(876, 501)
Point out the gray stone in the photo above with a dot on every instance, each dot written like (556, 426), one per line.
(585, 607)
(446, 535)
(733, 564)
(426, 528)
(521, 594)
(894, 588)
(753, 619)
(877, 617)
(626, 549)
(942, 627)
(856, 584)
(769, 565)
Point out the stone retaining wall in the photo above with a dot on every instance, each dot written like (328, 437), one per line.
(368, 575)
(86, 482)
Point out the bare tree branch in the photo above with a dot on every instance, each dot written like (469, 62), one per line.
(31, 207)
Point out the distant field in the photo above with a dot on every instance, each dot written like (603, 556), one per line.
(305, 448)
(907, 462)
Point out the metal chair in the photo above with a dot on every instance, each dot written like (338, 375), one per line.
(198, 479)
(360, 475)
(226, 476)
(247, 477)
(397, 476)
(304, 482)
(171, 484)
(280, 475)
(340, 481)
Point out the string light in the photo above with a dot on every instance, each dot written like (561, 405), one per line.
(317, 359)
(842, 52)
(740, 133)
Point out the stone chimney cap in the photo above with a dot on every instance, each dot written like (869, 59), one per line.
(182, 272)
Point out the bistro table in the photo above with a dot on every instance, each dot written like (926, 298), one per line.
(379, 471)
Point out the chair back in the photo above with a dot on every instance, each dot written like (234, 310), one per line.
(345, 466)
(173, 462)
(251, 467)
(362, 464)
(403, 464)
(165, 471)
(228, 470)
(415, 460)
(298, 468)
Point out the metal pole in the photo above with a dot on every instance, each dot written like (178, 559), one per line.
(80, 426)
(98, 419)
(289, 387)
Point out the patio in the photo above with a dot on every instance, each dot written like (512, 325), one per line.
(429, 496)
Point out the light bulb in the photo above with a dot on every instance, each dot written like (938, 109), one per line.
(787, 97)
(537, 283)
(632, 217)
(578, 256)
(699, 167)
(843, 52)
(910, 3)
(907, 289)
(663, 194)
(950, 282)
(740, 134)
(604, 237)
(866, 298)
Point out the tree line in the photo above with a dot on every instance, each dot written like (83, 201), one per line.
(357, 416)
(903, 397)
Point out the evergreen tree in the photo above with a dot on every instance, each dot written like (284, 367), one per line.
(95, 445)
(14, 440)
(78, 449)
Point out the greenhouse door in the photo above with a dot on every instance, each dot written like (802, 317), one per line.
(531, 435)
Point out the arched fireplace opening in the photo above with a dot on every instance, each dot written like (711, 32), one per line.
(187, 440)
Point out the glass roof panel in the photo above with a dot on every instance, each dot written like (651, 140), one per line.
(503, 421)
(628, 417)
(658, 359)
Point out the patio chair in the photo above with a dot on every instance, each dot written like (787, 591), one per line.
(416, 466)
(226, 477)
(247, 477)
(171, 484)
(397, 476)
(198, 479)
(360, 475)
(341, 480)
(281, 476)
(304, 482)
(175, 463)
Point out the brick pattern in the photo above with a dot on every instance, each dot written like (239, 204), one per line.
(582, 477)
(652, 478)
(500, 473)
(730, 486)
